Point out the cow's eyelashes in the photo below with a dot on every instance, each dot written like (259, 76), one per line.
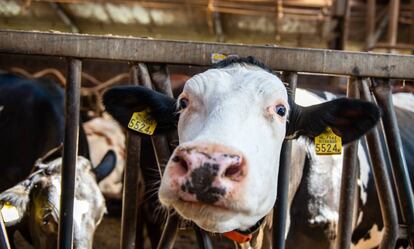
(183, 103)
(280, 110)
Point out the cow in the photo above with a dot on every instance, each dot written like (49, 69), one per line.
(31, 124)
(32, 206)
(103, 134)
(314, 210)
(231, 123)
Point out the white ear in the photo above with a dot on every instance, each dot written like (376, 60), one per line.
(14, 203)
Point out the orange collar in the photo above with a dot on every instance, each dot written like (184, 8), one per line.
(243, 236)
(238, 237)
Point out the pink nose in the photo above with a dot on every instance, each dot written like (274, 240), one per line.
(204, 170)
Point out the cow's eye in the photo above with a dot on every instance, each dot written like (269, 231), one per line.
(280, 110)
(183, 103)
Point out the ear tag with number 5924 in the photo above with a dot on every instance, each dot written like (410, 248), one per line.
(142, 122)
(328, 143)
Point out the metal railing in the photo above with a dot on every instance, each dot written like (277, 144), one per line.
(365, 70)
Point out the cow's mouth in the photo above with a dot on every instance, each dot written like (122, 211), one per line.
(196, 204)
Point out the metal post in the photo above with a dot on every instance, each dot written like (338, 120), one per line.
(281, 205)
(203, 240)
(4, 240)
(348, 183)
(162, 155)
(370, 24)
(382, 181)
(382, 91)
(70, 152)
(170, 232)
(132, 231)
(393, 23)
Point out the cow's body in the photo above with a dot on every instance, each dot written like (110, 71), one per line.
(314, 211)
(31, 123)
(104, 134)
(32, 207)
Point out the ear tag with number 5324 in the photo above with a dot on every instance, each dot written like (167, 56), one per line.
(142, 122)
(328, 143)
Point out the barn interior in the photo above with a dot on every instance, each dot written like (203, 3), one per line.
(385, 26)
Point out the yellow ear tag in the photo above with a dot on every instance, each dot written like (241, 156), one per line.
(217, 57)
(328, 143)
(142, 122)
(9, 213)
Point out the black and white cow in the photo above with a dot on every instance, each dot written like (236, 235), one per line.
(314, 210)
(32, 206)
(31, 124)
(232, 121)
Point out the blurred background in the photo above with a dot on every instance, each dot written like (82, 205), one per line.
(362, 25)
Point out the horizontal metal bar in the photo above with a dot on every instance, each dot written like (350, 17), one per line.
(198, 53)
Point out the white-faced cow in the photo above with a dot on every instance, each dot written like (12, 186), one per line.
(232, 121)
(32, 207)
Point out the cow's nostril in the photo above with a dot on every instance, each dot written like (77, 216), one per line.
(181, 163)
(232, 171)
(184, 165)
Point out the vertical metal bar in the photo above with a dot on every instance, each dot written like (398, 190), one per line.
(162, 154)
(393, 23)
(348, 183)
(70, 151)
(281, 205)
(203, 240)
(341, 14)
(412, 23)
(382, 181)
(4, 240)
(370, 23)
(170, 232)
(130, 198)
(383, 95)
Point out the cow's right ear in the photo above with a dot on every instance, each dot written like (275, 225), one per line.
(122, 101)
(14, 203)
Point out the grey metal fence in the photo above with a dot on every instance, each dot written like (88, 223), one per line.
(368, 72)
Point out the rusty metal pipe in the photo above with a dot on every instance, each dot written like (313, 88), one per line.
(203, 240)
(70, 152)
(162, 155)
(130, 196)
(281, 205)
(382, 180)
(383, 95)
(348, 183)
(170, 232)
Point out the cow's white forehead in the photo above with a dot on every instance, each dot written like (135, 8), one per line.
(235, 78)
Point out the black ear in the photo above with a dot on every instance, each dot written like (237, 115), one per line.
(122, 101)
(106, 166)
(348, 118)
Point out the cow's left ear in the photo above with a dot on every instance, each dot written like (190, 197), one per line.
(122, 101)
(14, 203)
(348, 118)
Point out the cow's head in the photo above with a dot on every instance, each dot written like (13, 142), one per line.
(232, 121)
(35, 202)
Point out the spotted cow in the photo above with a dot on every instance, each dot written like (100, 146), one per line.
(231, 123)
(32, 206)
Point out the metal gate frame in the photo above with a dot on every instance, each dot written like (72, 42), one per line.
(367, 70)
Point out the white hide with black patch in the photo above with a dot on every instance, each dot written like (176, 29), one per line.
(103, 134)
(38, 201)
(233, 106)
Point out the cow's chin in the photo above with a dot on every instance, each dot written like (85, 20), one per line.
(215, 219)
